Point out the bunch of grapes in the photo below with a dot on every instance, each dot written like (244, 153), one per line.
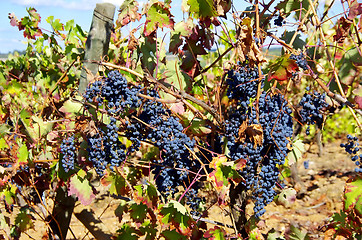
(312, 104)
(279, 21)
(242, 84)
(272, 120)
(300, 60)
(68, 149)
(147, 120)
(352, 148)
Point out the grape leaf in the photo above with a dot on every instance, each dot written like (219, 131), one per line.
(71, 108)
(80, 187)
(173, 235)
(298, 43)
(353, 195)
(158, 15)
(138, 212)
(24, 221)
(215, 233)
(146, 194)
(117, 181)
(175, 213)
(23, 154)
(288, 6)
(128, 12)
(282, 69)
(202, 8)
(127, 232)
(351, 58)
(297, 152)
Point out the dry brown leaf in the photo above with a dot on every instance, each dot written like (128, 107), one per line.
(241, 132)
(255, 132)
(246, 44)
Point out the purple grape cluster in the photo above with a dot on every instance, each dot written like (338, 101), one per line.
(300, 60)
(312, 104)
(242, 84)
(68, 149)
(274, 116)
(148, 120)
(279, 21)
(352, 148)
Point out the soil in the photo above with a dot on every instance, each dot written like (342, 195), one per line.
(319, 195)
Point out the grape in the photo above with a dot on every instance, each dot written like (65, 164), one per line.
(352, 148)
(274, 118)
(279, 21)
(312, 104)
(300, 60)
(242, 84)
(68, 149)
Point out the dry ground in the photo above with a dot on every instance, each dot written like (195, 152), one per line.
(319, 196)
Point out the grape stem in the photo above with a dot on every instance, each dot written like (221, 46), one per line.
(166, 87)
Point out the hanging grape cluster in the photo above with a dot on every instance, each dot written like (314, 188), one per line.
(146, 120)
(313, 103)
(267, 131)
(352, 147)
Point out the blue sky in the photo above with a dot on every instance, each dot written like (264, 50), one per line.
(79, 10)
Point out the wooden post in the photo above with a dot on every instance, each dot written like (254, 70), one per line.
(97, 43)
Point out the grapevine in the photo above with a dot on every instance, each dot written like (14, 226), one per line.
(179, 121)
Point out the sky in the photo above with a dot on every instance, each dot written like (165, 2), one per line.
(80, 10)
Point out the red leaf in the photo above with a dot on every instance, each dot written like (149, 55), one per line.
(358, 101)
(354, 10)
(282, 69)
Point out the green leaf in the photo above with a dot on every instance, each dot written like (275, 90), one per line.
(298, 43)
(215, 233)
(175, 213)
(351, 59)
(158, 15)
(24, 221)
(127, 232)
(147, 194)
(4, 129)
(81, 188)
(173, 235)
(138, 212)
(297, 234)
(288, 6)
(117, 181)
(353, 195)
(224, 171)
(23, 154)
(202, 8)
(71, 108)
(297, 152)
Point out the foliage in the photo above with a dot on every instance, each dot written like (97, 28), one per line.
(185, 73)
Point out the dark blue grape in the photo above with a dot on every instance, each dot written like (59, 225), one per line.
(313, 104)
(68, 150)
(352, 148)
(300, 60)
